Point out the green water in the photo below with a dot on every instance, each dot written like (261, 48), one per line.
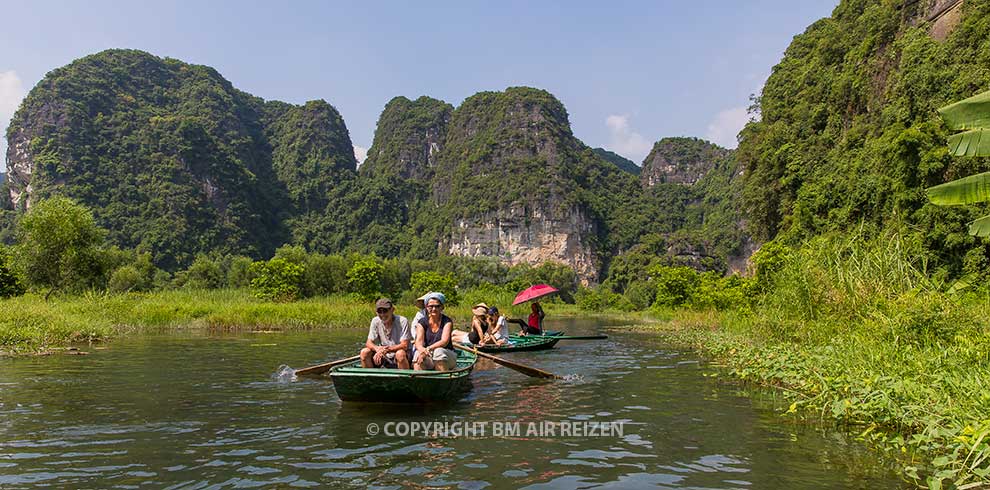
(206, 411)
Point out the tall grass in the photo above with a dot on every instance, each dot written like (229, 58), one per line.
(860, 334)
(29, 323)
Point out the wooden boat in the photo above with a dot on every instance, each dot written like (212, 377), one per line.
(521, 343)
(357, 384)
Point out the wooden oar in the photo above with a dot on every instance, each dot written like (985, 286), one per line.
(528, 371)
(581, 337)
(326, 366)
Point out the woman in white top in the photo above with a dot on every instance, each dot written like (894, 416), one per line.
(498, 330)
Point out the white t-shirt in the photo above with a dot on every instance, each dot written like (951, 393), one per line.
(421, 314)
(501, 329)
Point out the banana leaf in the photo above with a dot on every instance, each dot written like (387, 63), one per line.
(980, 227)
(973, 143)
(967, 190)
(971, 113)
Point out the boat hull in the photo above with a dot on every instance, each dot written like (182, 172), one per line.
(376, 385)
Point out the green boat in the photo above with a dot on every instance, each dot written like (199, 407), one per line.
(357, 384)
(521, 343)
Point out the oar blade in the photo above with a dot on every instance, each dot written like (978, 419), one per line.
(323, 368)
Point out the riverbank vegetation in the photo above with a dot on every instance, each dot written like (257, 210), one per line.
(856, 330)
(31, 324)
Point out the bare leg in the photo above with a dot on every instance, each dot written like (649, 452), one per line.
(367, 356)
(401, 359)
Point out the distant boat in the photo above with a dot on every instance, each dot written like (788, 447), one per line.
(521, 343)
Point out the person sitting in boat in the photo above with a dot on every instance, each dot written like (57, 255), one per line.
(388, 339)
(479, 324)
(498, 332)
(535, 324)
(434, 349)
(421, 304)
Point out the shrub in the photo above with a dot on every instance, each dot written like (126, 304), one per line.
(239, 271)
(601, 298)
(364, 278)
(203, 273)
(126, 278)
(422, 282)
(641, 294)
(10, 281)
(326, 274)
(675, 285)
(277, 280)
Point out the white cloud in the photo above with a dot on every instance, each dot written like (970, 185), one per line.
(360, 153)
(11, 93)
(624, 141)
(726, 125)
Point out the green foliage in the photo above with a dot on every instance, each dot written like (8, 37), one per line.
(641, 294)
(618, 160)
(10, 282)
(675, 285)
(277, 280)
(58, 246)
(326, 274)
(203, 273)
(601, 298)
(426, 281)
(768, 261)
(849, 135)
(968, 114)
(238, 269)
(126, 279)
(365, 278)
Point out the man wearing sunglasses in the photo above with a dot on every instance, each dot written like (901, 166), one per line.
(388, 339)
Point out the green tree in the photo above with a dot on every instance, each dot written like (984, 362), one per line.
(277, 280)
(365, 278)
(57, 246)
(10, 282)
(204, 273)
(425, 281)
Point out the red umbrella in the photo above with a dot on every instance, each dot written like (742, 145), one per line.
(533, 292)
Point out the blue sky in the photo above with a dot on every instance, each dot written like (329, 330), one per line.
(629, 73)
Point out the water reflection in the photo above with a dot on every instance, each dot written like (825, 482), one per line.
(193, 412)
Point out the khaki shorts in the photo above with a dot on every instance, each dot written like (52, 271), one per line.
(441, 357)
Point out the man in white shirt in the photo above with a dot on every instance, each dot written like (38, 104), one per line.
(388, 339)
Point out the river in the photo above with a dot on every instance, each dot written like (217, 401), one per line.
(206, 410)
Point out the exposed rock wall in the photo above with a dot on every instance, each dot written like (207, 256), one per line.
(518, 235)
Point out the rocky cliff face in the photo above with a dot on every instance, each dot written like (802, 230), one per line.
(519, 235)
(680, 161)
(521, 186)
(409, 138)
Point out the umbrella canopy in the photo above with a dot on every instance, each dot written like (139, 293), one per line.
(533, 292)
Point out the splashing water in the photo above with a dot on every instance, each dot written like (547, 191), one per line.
(284, 374)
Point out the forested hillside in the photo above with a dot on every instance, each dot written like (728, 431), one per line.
(849, 136)
(175, 161)
(619, 160)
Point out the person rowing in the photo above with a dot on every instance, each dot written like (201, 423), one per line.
(434, 349)
(388, 339)
(535, 324)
